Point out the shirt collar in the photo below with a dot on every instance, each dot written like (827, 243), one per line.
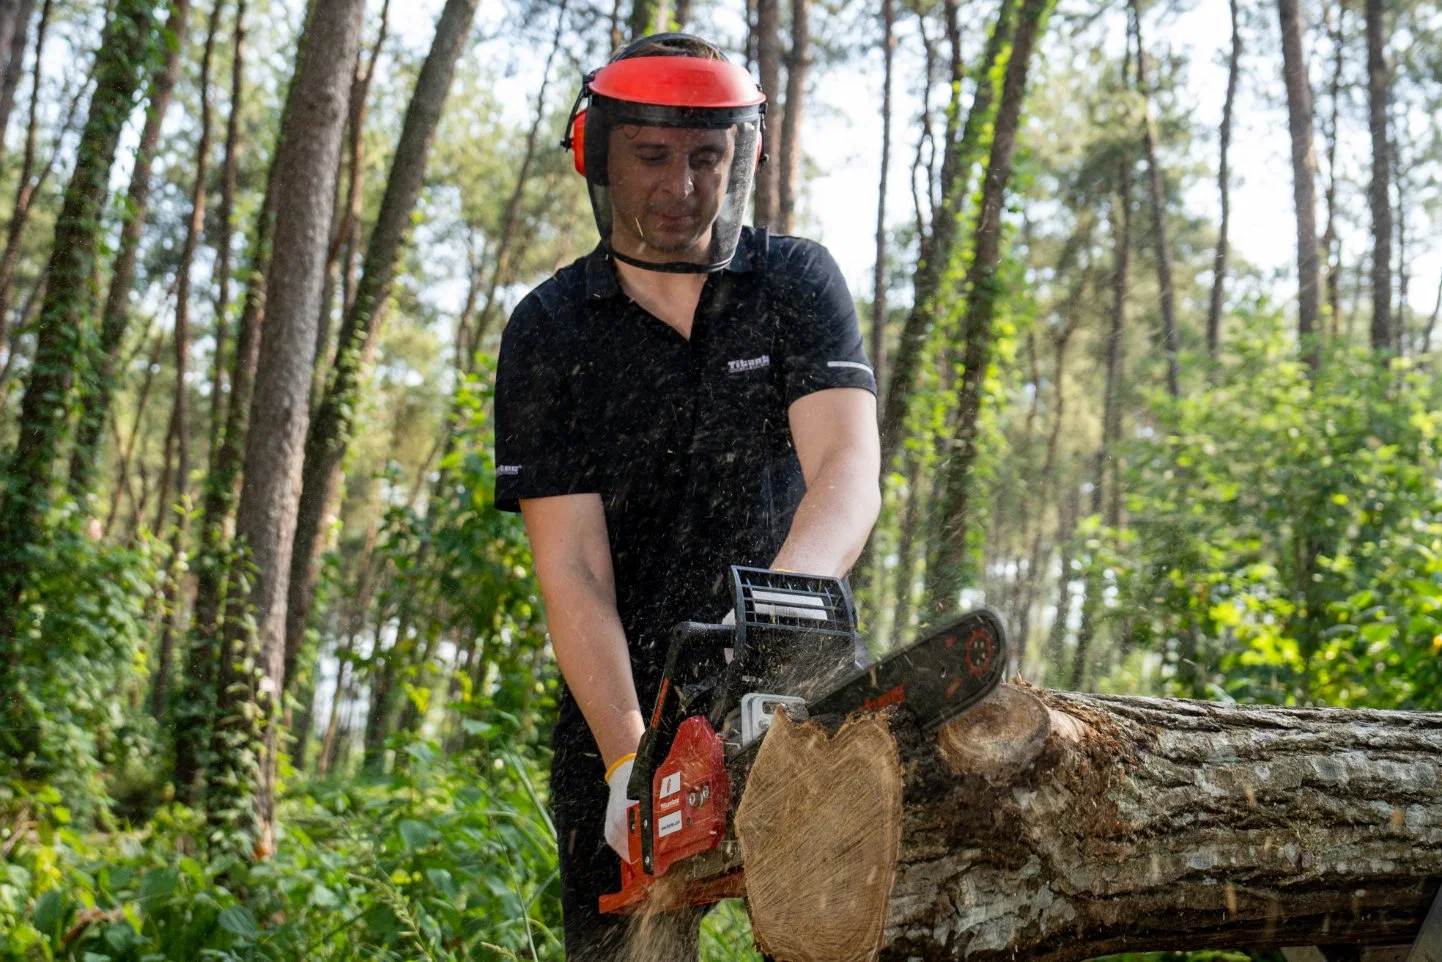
(601, 272)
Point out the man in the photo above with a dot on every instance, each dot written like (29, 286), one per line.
(691, 395)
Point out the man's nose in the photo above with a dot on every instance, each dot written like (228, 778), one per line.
(680, 180)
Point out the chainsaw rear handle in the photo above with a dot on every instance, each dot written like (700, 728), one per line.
(695, 653)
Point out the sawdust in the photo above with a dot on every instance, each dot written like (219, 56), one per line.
(820, 832)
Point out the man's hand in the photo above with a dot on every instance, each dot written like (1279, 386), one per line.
(616, 835)
(836, 442)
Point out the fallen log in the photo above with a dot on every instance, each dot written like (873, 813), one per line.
(1054, 827)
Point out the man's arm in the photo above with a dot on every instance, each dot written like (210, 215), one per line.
(573, 564)
(834, 431)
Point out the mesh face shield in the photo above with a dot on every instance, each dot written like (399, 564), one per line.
(669, 147)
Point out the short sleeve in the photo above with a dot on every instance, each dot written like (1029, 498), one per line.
(823, 347)
(540, 447)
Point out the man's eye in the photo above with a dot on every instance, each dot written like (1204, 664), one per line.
(705, 160)
(652, 158)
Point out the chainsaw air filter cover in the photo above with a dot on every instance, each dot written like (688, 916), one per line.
(795, 633)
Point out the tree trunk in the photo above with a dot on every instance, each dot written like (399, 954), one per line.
(25, 186)
(1331, 246)
(1304, 166)
(878, 285)
(1059, 827)
(1377, 193)
(1432, 321)
(330, 429)
(226, 216)
(61, 336)
(510, 220)
(1219, 262)
(1160, 236)
(767, 210)
(14, 35)
(346, 233)
(1400, 164)
(210, 679)
(115, 321)
(305, 168)
(180, 410)
(649, 16)
(944, 578)
(958, 156)
(127, 454)
(798, 65)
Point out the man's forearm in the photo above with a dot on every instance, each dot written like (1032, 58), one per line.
(590, 647)
(834, 519)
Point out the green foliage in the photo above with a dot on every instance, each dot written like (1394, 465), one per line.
(1284, 534)
(84, 626)
(441, 861)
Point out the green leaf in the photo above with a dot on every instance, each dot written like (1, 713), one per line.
(416, 834)
(441, 880)
(237, 920)
(1378, 631)
(159, 883)
(50, 911)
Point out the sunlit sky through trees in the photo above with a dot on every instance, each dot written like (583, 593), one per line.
(842, 126)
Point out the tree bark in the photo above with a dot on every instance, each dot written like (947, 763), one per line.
(226, 216)
(1304, 186)
(798, 65)
(179, 435)
(1432, 321)
(1059, 827)
(1377, 196)
(767, 209)
(211, 680)
(958, 155)
(115, 321)
(510, 220)
(25, 187)
(944, 578)
(330, 429)
(1331, 246)
(1160, 236)
(649, 16)
(1219, 262)
(346, 233)
(878, 284)
(305, 168)
(61, 339)
(14, 37)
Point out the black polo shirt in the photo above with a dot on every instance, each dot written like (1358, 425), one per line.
(686, 441)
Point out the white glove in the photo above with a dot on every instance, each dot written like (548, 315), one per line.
(616, 834)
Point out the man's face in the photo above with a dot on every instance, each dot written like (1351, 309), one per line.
(667, 185)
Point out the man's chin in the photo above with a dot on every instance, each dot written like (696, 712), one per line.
(671, 247)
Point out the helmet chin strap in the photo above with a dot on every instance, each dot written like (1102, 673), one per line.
(666, 267)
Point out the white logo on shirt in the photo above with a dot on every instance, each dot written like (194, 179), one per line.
(504, 470)
(748, 364)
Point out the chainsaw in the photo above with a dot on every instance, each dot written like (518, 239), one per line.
(793, 647)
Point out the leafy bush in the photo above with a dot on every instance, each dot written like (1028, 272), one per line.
(442, 861)
(1284, 534)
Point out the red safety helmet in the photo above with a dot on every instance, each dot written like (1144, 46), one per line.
(662, 83)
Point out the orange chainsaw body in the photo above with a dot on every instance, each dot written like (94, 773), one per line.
(693, 798)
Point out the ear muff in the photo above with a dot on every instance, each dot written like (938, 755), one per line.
(578, 142)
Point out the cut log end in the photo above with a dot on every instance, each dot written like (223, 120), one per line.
(998, 738)
(820, 832)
